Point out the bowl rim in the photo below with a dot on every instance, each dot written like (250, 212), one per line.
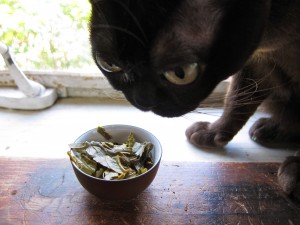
(127, 179)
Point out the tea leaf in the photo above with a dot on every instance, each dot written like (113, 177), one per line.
(112, 161)
(130, 141)
(99, 172)
(103, 132)
(109, 163)
(108, 175)
(78, 145)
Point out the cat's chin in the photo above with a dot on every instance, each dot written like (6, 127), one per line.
(169, 114)
(169, 111)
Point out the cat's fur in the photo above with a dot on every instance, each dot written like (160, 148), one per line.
(257, 41)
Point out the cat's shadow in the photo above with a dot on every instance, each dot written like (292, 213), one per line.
(279, 145)
(232, 152)
(217, 151)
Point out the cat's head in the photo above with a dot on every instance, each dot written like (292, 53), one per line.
(167, 56)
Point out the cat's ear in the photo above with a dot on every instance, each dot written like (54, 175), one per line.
(239, 32)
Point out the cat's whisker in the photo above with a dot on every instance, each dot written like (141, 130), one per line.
(263, 91)
(106, 25)
(110, 27)
(242, 91)
(207, 111)
(134, 19)
(254, 85)
(188, 117)
(127, 79)
(249, 93)
(247, 96)
(134, 66)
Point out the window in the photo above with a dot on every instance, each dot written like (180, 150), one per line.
(48, 34)
(49, 40)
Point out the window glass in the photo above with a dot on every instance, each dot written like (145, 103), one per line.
(47, 34)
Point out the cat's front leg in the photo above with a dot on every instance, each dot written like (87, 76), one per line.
(243, 98)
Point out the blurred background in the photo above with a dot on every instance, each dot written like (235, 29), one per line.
(48, 34)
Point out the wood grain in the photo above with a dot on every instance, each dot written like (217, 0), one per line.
(46, 191)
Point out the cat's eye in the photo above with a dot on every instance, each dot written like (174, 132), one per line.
(108, 67)
(182, 75)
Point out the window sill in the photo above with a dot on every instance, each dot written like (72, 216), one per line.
(68, 84)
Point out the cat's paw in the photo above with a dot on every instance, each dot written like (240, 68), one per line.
(204, 134)
(270, 132)
(289, 176)
(264, 130)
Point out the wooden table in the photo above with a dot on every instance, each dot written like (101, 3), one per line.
(46, 191)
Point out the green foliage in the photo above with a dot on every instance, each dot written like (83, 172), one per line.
(48, 34)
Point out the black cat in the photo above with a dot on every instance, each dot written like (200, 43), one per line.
(167, 56)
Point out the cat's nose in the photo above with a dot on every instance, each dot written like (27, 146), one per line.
(145, 103)
(146, 98)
